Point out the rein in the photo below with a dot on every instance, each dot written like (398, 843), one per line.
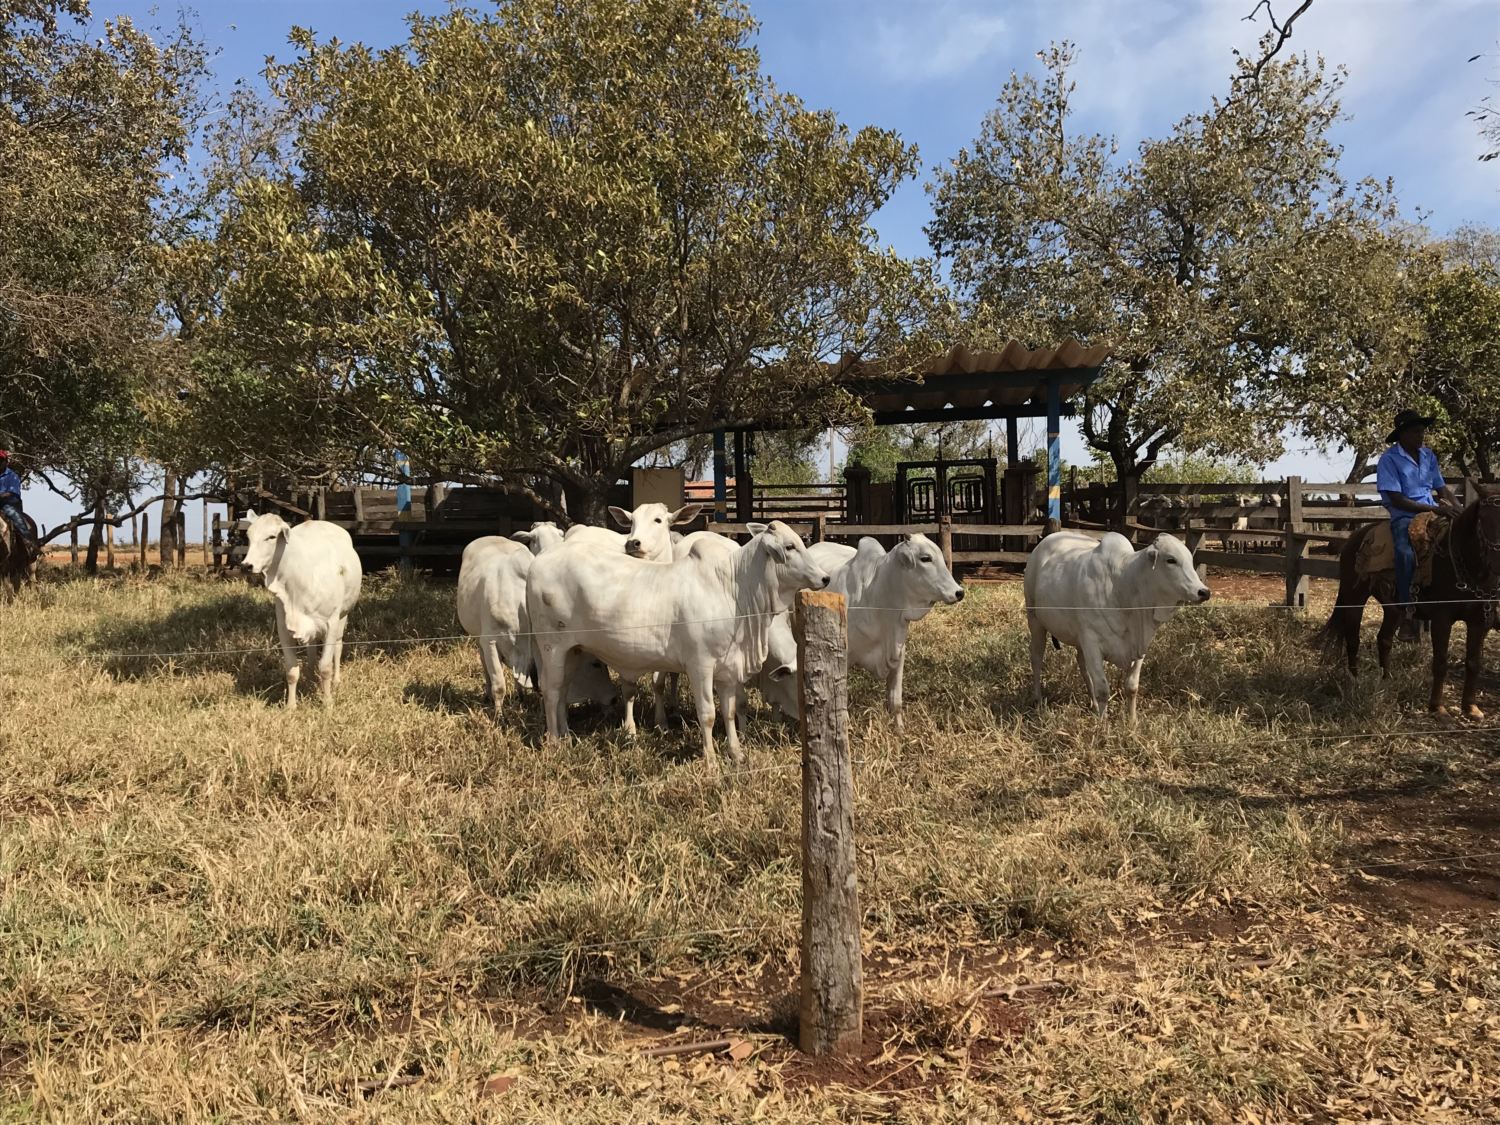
(1473, 577)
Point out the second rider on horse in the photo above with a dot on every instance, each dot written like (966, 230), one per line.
(1409, 478)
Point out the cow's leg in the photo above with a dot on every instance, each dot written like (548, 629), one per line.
(893, 702)
(659, 699)
(1095, 674)
(494, 678)
(325, 662)
(1132, 688)
(1038, 655)
(291, 658)
(1475, 629)
(729, 700)
(701, 685)
(338, 651)
(551, 667)
(628, 690)
(1385, 639)
(1442, 631)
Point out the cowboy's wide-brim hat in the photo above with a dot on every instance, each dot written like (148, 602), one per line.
(1406, 419)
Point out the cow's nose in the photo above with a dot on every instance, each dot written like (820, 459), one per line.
(1204, 594)
(632, 546)
(827, 578)
(958, 595)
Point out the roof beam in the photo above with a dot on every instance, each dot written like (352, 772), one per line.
(964, 414)
(973, 381)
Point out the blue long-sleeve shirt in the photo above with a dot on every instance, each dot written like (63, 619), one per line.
(10, 482)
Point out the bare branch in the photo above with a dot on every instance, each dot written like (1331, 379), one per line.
(1272, 42)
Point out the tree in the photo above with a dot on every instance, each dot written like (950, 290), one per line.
(88, 130)
(1458, 365)
(1204, 260)
(556, 239)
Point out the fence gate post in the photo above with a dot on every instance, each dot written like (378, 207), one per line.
(945, 540)
(1296, 547)
(832, 1004)
(145, 535)
(109, 544)
(73, 546)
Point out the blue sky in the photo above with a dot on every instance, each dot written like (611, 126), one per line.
(930, 69)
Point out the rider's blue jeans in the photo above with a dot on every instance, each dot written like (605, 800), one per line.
(1406, 556)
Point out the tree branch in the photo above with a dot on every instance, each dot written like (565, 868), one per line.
(120, 517)
(1273, 40)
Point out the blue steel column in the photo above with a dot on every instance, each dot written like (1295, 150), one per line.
(403, 503)
(721, 491)
(1054, 449)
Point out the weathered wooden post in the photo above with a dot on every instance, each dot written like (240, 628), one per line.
(1296, 546)
(109, 544)
(832, 1005)
(207, 555)
(181, 522)
(73, 546)
(945, 540)
(141, 542)
(218, 542)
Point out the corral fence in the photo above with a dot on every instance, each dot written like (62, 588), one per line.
(1293, 528)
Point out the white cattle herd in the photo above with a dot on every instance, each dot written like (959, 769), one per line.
(560, 611)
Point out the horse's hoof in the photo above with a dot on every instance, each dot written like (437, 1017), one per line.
(1472, 712)
(1437, 709)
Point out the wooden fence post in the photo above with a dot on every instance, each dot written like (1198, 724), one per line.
(207, 555)
(145, 535)
(218, 542)
(181, 522)
(832, 1004)
(1296, 546)
(73, 546)
(109, 544)
(945, 540)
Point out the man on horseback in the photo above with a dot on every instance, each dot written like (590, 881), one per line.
(10, 504)
(1408, 477)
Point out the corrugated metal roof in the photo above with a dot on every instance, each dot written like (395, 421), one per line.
(957, 378)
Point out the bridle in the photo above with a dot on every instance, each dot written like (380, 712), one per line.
(1475, 578)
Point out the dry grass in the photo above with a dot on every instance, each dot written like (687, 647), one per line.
(213, 909)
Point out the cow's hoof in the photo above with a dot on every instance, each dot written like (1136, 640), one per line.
(1473, 712)
(1437, 709)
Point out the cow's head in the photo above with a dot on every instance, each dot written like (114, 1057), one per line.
(795, 569)
(779, 684)
(544, 534)
(592, 683)
(925, 579)
(266, 535)
(1174, 579)
(650, 528)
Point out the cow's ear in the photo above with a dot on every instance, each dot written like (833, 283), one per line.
(757, 528)
(522, 536)
(285, 532)
(249, 514)
(781, 673)
(1154, 554)
(907, 537)
(620, 515)
(687, 513)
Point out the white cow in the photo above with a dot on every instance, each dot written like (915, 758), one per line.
(708, 615)
(314, 574)
(492, 608)
(886, 591)
(1106, 599)
(543, 536)
(650, 534)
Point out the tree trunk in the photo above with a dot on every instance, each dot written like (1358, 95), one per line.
(1360, 469)
(588, 501)
(167, 534)
(96, 539)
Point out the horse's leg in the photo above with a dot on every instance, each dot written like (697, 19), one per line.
(1442, 629)
(1475, 626)
(1385, 639)
(1354, 616)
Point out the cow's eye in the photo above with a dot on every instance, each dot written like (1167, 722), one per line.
(1173, 562)
(658, 519)
(926, 558)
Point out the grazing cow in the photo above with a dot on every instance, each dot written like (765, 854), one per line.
(543, 536)
(886, 592)
(650, 534)
(708, 615)
(314, 574)
(1106, 599)
(492, 608)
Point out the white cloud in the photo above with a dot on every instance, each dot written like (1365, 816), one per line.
(933, 41)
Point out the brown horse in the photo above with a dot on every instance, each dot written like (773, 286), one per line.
(17, 565)
(1465, 585)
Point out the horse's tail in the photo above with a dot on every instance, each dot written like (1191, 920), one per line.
(1349, 604)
